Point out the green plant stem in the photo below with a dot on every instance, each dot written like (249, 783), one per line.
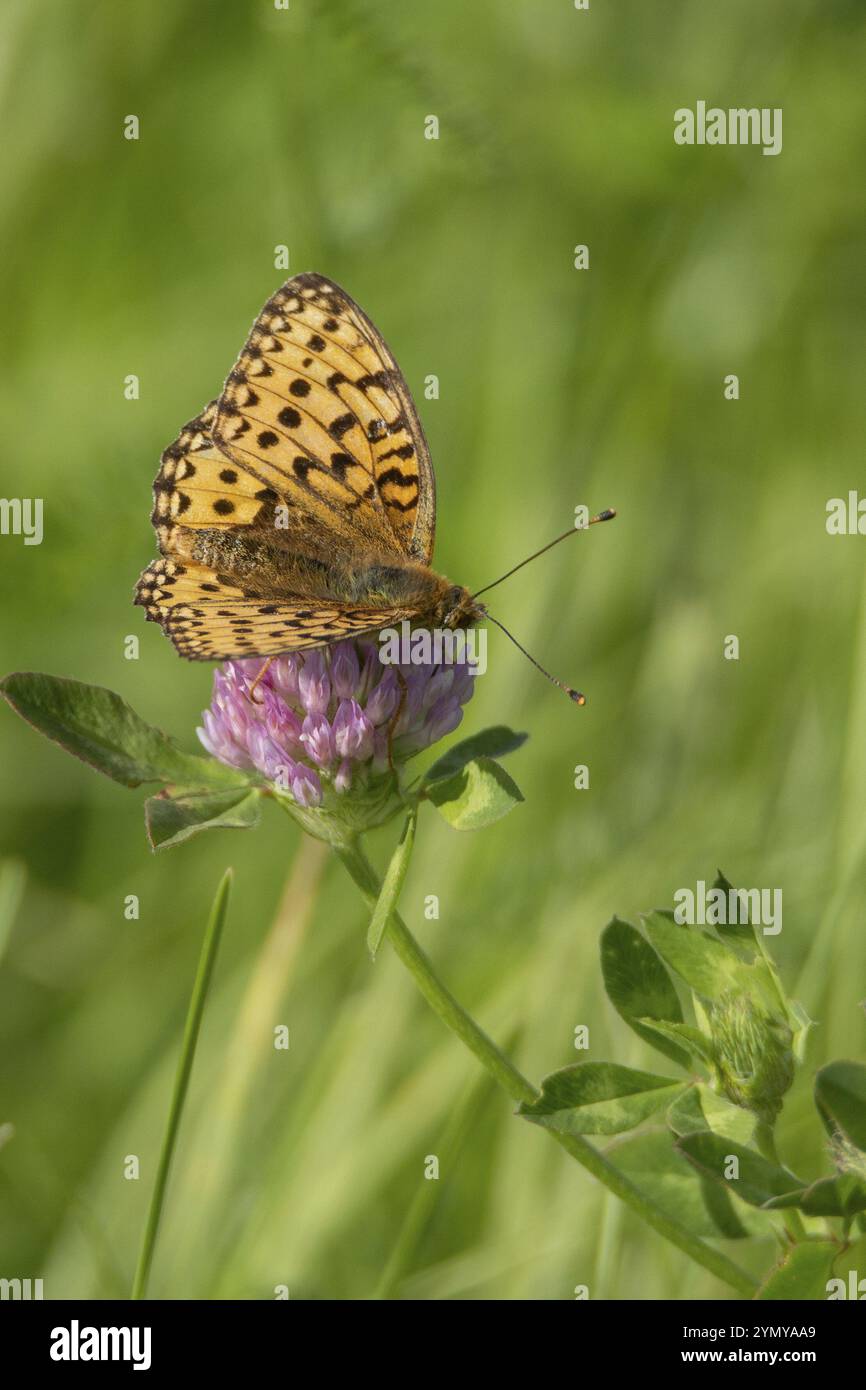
(512, 1081)
(765, 1139)
(207, 959)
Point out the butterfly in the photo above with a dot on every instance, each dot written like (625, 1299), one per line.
(299, 507)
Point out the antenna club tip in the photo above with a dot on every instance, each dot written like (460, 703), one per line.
(576, 695)
(608, 514)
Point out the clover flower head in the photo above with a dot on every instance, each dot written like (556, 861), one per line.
(317, 725)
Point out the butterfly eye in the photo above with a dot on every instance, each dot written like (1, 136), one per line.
(454, 595)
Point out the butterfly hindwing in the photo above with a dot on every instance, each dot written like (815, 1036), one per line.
(210, 618)
(317, 409)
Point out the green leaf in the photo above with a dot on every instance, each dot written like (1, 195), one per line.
(99, 727)
(692, 1037)
(804, 1272)
(701, 1108)
(840, 1095)
(703, 962)
(172, 819)
(844, 1195)
(724, 1118)
(392, 885)
(673, 1185)
(639, 986)
(848, 1270)
(481, 793)
(599, 1098)
(800, 1024)
(490, 743)
(742, 933)
(685, 1115)
(759, 1180)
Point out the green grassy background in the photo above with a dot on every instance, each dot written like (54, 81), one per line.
(305, 127)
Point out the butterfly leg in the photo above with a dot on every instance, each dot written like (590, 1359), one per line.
(395, 718)
(262, 673)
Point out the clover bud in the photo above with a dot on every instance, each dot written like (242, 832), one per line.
(753, 1055)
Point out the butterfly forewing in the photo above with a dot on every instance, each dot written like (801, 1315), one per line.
(317, 409)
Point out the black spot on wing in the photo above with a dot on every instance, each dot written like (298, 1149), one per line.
(341, 426)
(404, 451)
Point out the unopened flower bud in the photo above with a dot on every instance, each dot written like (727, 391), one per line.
(754, 1059)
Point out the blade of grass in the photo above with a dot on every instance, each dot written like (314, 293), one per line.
(426, 1196)
(194, 1016)
(249, 1050)
(12, 878)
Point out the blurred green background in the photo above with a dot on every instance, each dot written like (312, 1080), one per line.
(306, 127)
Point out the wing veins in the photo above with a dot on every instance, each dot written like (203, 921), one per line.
(313, 460)
(301, 410)
(296, 318)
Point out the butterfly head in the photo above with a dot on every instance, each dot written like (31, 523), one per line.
(459, 608)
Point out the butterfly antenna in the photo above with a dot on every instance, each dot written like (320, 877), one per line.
(607, 515)
(575, 695)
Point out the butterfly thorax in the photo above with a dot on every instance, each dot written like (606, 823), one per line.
(457, 608)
